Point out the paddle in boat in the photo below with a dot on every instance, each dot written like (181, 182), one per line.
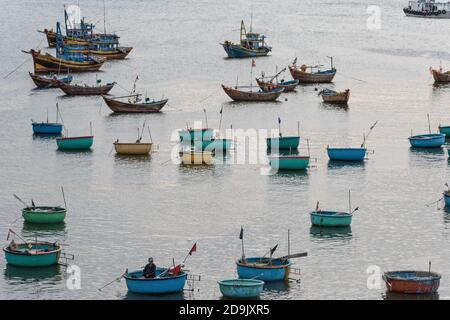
(251, 45)
(267, 83)
(241, 288)
(31, 253)
(48, 128)
(314, 75)
(440, 76)
(75, 143)
(323, 218)
(412, 282)
(85, 90)
(50, 81)
(135, 148)
(265, 268)
(334, 97)
(350, 154)
(430, 140)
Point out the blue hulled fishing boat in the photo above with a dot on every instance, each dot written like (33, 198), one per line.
(48, 128)
(164, 282)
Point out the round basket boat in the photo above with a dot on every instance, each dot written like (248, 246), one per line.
(263, 269)
(44, 215)
(241, 288)
(415, 282)
(158, 285)
(33, 254)
(331, 218)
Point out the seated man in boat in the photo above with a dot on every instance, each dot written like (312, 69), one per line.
(150, 269)
(13, 245)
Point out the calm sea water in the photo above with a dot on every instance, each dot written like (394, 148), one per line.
(122, 210)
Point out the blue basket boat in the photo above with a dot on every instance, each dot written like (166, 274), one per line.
(444, 130)
(47, 128)
(241, 288)
(289, 162)
(346, 154)
(264, 269)
(283, 143)
(447, 198)
(159, 285)
(75, 143)
(331, 218)
(33, 254)
(431, 140)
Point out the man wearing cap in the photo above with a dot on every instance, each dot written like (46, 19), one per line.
(149, 269)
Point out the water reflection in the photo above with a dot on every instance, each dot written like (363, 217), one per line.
(137, 296)
(427, 151)
(126, 159)
(23, 274)
(408, 296)
(333, 164)
(277, 287)
(45, 136)
(331, 232)
(53, 230)
(334, 106)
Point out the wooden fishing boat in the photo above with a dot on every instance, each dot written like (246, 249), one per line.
(33, 254)
(331, 96)
(75, 143)
(257, 96)
(116, 54)
(45, 82)
(412, 282)
(79, 90)
(289, 162)
(268, 86)
(132, 148)
(441, 77)
(164, 282)
(44, 215)
(314, 75)
(331, 218)
(46, 63)
(346, 154)
(283, 143)
(251, 45)
(241, 288)
(265, 269)
(148, 106)
(444, 130)
(196, 157)
(432, 140)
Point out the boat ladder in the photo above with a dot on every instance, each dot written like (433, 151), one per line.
(296, 273)
(66, 256)
(191, 279)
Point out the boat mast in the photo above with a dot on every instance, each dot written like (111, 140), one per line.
(104, 17)
(429, 127)
(349, 202)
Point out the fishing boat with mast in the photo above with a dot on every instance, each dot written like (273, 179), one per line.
(50, 81)
(323, 218)
(250, 45)
(267, 83)
(134, 104)
(76, 143)
(440, 76)
(430, 140)
(283, 142)
(412, 281)
(335, 97)
(315, 73)
(48, 128)
(135, 148)
(85, 90)
(31, 253)
(428, 9)
(350, 154)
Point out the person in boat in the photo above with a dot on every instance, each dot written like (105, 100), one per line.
(13, 245)
(150, 269)
(317, 208)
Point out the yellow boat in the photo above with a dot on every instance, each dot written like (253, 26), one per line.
(196, 157)
(132, 148)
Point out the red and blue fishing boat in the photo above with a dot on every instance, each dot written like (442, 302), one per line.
(251, 45)
(164, 282)
(412, 282)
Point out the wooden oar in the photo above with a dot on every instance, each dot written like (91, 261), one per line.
(293, 256)
(116, 279)
(21, 201)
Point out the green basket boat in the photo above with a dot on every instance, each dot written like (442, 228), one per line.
(75, 143)
(444, 130)
(289, 162)
(33, 254)
(44, 215)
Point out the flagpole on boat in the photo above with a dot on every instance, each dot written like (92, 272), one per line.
(241, 236)
(429, 126)
(206, 117)
(289, 243)
(221, 114)
(150, 134)
(298, 128)
(90, 127)
(64, 197)
(349, 202)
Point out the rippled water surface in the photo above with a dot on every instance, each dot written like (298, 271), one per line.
(123, 210)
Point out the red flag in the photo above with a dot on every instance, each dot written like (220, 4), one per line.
(193, 249)
(175, 270)
(253, 63)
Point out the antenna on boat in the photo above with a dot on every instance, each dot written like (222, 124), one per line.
(221, 114)
(429, 266)
(90, 127)
(142, 132)
(370, 131)
(289, 243)
(104, 17)
(429, 126)
(307, 143)
(150, 134)
(331, 61)
(251, 18)
(47, 115)
(237, 81)
(298, 128)
(206, 117)
(349, 202)
(64, 197)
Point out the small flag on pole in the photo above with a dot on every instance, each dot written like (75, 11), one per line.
(193, 249)
(221, 109)
(241, 234)
(273, 250)
(253, 63)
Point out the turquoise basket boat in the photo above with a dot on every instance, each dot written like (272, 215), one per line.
(283, 143)
(331, 219)
(447, 198)
(166, 284)
(445, 130)
(221, 145)
(264, 269)
(33, 254)
(346, 154)
(188, 135)
(44, 215)
(241, 288)
(432, 140)
(75, 143)
(289, 162)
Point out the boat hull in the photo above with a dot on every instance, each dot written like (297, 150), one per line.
(425, 14)
(124, 107)
(77, 90)
(289, 162)
(445, 130)
(238, 95)
(330, 219)
(441, 77)
(412, 282)
(43, 216)
(339, 98)
(155, 285)
(288, 86)
(447, 199)
(284, 143)
(346, 154)
(252, 269)
(427, 140)
(196, 158)
(47, 128)
(241, 288)
(27, 259)
(238, 51)
(132, 148)
(119, 54)
(46, 82)
(307, 77)
(75, 143)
